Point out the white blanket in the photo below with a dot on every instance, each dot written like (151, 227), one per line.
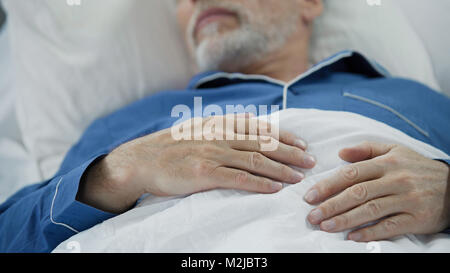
(235, 221)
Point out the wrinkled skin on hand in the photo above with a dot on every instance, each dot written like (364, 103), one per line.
(393, 186)
(161, 165)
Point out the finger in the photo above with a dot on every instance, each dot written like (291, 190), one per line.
(225, 127)
(291, 139)
(364, 151)
(259, 164)
(366, 213)
(288, 138)
(250, 125)
(292, 155)
(282, 153)
(346, 177)
(352, 197)
(388, 228)
(228, 178)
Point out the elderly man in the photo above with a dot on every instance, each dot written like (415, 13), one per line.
(250, 52)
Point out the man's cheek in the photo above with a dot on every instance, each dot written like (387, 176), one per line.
(185, 11)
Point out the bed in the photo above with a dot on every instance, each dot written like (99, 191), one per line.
(23, 161)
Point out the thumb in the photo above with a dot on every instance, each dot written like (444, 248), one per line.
(365, 151)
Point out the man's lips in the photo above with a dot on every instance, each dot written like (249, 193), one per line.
(210, 15)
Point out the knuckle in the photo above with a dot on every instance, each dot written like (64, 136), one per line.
(286, 172)
(343, 221)
(391, 159)
(256, 161)
(422, 216)
(406, 179)
(390, 225)
(122, 177)
(263, 185)
(349, 173)
(208, 149)
(329, 209)
(423, 212)
(358, 192)
(324, 189)
(430, 214)
(288, 136)
(264, 140)
(373, 208)
(258, 144)
(414, 198)
(241, 179)
(203, 168)
(295, 155)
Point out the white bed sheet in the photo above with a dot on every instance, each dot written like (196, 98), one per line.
(235, 221)
(17, 169)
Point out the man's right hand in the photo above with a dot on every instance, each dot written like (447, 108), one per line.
(160, 165)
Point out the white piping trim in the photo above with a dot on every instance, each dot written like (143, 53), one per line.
(422, 131)
(284, 84)
(285, 90)
(51, 211)
(237, 76)
(311, 71)
(380, 69)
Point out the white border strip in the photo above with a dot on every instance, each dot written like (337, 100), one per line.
(285, 85)
(51, 211)
(240, 76)
(422, 131)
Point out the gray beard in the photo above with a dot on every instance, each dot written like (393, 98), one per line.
(233, 51)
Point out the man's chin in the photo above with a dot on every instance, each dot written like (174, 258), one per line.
(213, 36)
(228, 51)
(207, 57)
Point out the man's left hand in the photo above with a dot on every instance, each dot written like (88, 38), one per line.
(395, 188)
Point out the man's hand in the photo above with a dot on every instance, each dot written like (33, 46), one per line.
(399, 189)
(160, 165)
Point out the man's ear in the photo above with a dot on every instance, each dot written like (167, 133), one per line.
(311, 9)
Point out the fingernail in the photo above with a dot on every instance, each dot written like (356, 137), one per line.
(328, 225)
(277, 186)
(311, 196)
(298, 176)
(300, 143)
(355, 236)
(309, 160)
(315, 216)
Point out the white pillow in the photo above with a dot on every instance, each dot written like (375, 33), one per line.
(382, 33)
(431, 23)
(77, 63)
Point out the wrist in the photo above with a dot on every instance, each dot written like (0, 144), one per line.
(447, 203)
(108, 186)
(447, 168)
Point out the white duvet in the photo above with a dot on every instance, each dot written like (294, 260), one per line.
(235, 221)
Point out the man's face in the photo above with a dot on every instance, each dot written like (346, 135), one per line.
(231, 34)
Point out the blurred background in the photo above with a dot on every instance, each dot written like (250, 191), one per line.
(74, 53)
(2, 16)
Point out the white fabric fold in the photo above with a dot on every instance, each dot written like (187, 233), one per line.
(235, 221)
